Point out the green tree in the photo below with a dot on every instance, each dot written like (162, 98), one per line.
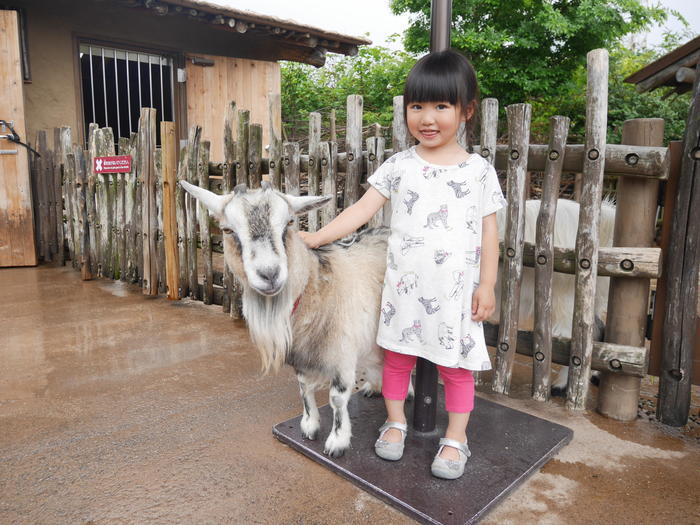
(524, 49)
(376, 73)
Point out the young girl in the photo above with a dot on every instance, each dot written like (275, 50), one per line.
(442, 255)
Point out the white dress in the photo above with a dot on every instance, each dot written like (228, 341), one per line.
(433, 257)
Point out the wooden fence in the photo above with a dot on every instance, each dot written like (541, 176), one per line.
(141, 227)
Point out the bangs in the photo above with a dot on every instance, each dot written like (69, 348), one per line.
(445, 76)
(433, 87)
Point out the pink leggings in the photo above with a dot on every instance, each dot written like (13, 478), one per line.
(459, 382)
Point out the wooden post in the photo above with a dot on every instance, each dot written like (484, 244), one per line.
(587, 236)
(53, 171)
(635, 224)
(93, 218)
(489, 134)
(132, 216)
(65, 171)
(149, 223)
(681, 319)
(160, 245)
(81, 192)
(181, 217)
(107, 200)
(400, 137)
(255, 156)
(291, 167)
(192, 159)
(519, 132)
(203, 219)
(275, 132)
(353, 149)
(42, 193)
(375, 158)
(489, 129)
(232, 290)
(314, 170)
(168, 141)
(544, 269)
(329, 167)
(121, 222)
(66, 142)
(333, 133)
(242, 143)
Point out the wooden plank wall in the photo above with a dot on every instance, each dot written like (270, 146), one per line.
(210, 89)
(16, 221)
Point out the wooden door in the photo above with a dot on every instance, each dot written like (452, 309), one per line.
(16, 223)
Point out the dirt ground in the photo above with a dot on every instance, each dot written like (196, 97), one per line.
(116, 408)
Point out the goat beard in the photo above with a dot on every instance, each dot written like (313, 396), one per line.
(270, 325)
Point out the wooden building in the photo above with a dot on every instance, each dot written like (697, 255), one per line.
(72, 62)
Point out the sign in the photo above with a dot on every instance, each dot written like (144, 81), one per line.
(112, 164)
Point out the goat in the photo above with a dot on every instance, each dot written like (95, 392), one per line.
(316, 310)
(565, 229)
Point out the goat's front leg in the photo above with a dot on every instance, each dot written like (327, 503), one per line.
(310, 420)
(338, 440)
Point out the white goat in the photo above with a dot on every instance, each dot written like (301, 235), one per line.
(316, 310)
(565, 229)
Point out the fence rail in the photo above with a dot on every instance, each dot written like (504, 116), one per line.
(142, 228)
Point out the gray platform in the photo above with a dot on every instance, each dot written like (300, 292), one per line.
(507, 446)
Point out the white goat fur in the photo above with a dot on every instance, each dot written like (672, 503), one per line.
(565, 229)
(331, 335)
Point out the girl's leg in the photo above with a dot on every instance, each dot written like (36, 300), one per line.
(459, 402)
(396, 376)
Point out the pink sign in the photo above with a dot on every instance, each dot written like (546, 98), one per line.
(113, 164)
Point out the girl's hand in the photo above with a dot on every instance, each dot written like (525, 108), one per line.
(309, 239)
(483, 303)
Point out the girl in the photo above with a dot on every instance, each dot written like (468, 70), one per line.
(442, 255)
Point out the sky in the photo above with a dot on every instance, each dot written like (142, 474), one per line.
(357, 17)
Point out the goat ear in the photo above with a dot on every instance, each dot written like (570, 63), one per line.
(213, 202)
(303, 204)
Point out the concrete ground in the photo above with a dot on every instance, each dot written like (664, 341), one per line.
(117, 408)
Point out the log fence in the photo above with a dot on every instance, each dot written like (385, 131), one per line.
(142, 228)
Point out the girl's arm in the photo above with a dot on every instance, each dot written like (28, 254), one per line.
(348, 221)
(484, 298)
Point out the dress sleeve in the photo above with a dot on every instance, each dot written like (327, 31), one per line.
(492, 197)
(382, 179)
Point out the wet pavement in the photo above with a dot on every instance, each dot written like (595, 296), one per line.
(117, 408)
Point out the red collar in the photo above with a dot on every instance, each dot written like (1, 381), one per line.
(296, 304)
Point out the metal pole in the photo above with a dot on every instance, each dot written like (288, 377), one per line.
(440, 24)
(425, 405)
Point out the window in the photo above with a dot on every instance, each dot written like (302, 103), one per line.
(116, 83)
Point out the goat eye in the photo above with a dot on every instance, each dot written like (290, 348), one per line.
(227, 231)
(291, 222)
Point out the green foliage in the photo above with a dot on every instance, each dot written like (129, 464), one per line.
(524, 49)
(624, 102)
(376, 73)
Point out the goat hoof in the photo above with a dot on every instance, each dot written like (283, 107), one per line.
(558, 391)
(334, 453)
(313, 436)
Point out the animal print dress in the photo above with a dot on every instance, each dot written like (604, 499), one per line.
(433, 257)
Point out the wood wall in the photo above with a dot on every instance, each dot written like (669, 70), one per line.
(210, 89)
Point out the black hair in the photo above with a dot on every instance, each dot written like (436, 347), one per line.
(444, 76)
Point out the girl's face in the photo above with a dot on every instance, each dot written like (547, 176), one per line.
(434, 124)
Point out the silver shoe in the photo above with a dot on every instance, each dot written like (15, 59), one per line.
(447, 468)
(387, 450)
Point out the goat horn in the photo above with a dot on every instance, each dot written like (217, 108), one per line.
(240, 189)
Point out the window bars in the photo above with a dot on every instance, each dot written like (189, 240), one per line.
(117, 83)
